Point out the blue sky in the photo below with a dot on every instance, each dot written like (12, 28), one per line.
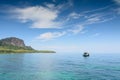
(63, 25)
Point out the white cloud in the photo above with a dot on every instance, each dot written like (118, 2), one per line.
(77, 29)
(93, 20)
(41, 17)
(70, 2)
(46, 17)
(98, 18)
(50, 35)
(73, 15)
(96, 10)
(54, 0)
(117, 1)
(118, 10)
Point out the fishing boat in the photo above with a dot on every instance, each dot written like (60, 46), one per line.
(86, 54)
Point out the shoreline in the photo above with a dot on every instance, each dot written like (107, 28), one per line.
(25, 51)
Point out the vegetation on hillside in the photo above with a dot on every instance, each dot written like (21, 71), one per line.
(7, 47)
(16, 49)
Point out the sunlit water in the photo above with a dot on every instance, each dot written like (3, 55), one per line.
(59, 67)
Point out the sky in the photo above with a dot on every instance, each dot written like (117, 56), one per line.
(63, 25)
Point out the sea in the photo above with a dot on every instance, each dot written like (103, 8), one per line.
(60, 66)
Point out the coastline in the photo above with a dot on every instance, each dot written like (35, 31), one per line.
(25, 51)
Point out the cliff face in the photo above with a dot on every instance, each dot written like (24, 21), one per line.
(12, 41)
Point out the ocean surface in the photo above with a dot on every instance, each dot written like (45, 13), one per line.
(59, 66)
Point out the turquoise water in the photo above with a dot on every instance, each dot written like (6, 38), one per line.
(59, 67)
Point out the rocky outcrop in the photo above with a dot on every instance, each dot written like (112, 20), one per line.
(12, 41)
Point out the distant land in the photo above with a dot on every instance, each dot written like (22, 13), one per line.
(16, 45)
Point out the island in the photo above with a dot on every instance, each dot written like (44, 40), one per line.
(16, 45)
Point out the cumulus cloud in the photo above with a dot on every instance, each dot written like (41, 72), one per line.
(41, 17)
(50, 35)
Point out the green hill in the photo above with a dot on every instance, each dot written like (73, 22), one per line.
(16, 45)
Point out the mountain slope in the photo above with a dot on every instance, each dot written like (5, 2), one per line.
(16, 45)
